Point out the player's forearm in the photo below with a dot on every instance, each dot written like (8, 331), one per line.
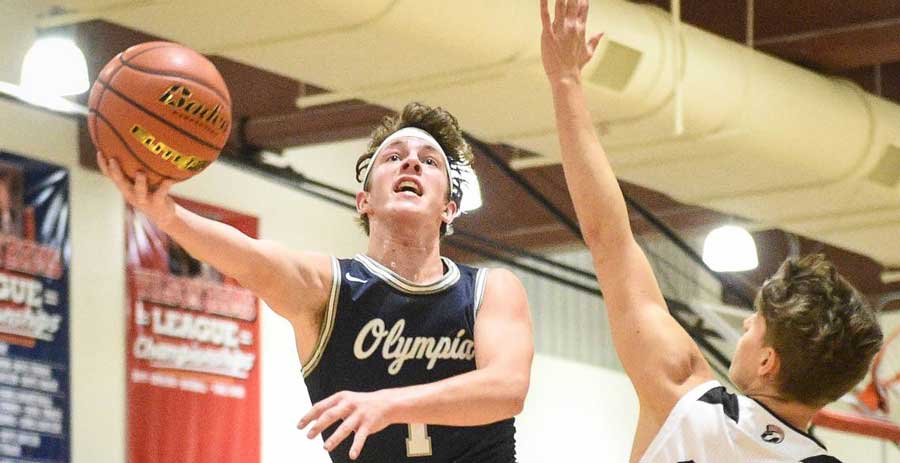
(222, 246)
(592, 184)
(476, 398)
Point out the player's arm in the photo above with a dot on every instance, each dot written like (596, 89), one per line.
(494, 391)
(658, 355)
(295, 285)
(504, 349)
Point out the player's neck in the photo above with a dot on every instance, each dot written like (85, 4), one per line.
(414, 256)
(794, 413)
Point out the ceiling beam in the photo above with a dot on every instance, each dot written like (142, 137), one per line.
(780, 18)
(840, 48)
(882, 80)
(328, 123)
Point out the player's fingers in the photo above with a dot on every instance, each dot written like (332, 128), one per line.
(114, 171)
(559, 17)
(593, 42)
(316, 410)
(101, 162)
(359, 440)
(140, 187)
(328, 418)
(572, 10)
(162, 190)
(119, 179)
(344, 430)
(545, 16)
(583, 7)
(311, 415)
(581, 19)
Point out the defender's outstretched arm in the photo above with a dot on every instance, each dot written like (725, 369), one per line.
(661, 359)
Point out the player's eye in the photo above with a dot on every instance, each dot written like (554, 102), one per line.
(394, 157)
(431, 161)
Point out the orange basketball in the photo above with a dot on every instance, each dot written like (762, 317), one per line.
(160, 108)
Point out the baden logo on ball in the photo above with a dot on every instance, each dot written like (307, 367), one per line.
(179, 96)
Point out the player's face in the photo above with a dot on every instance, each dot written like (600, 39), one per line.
(750, 352)
(409, 180)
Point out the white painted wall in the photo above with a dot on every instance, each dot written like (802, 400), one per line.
(576, 413)
(17, 20)
(852, 448)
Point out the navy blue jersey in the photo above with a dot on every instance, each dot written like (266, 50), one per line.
(383, 331)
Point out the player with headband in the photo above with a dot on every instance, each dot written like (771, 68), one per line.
(809, 341)
(406, 354)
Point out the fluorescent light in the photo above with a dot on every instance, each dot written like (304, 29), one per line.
(54, 103)
(889, 276)
(730, 249)
(54, 66)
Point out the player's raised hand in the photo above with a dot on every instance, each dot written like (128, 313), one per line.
(361, 413)
(155, 204)
(564, 48)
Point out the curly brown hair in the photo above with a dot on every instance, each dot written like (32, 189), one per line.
(437, 122)
(824, 331)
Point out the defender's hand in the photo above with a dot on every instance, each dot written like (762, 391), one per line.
(564, 50)
(157, 205)
(363, 413)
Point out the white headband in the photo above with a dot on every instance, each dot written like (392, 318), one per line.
(413, 132)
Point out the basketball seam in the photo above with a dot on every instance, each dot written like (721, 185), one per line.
(164, 45)
(159, 118)
(174, 74)
(100, 101)
(99, 115)
(113, 75)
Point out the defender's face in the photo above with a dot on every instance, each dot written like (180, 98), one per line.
(409, 179)
(750, 353)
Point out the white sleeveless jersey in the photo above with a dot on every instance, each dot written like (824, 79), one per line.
(710, 425)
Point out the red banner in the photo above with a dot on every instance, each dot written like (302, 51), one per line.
(193, 351)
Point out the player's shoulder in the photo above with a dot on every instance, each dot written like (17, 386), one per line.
(496, 278)
(500, 277)
(714, 393)
(501, 284)
(711, 396)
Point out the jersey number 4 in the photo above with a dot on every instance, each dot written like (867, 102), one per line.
(418, 444)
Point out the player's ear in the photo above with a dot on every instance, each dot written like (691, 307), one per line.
(769, 363)
(449, 212)
(362, 202)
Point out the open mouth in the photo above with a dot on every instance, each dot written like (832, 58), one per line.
(408, 186)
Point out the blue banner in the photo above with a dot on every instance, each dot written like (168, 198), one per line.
(34, 311)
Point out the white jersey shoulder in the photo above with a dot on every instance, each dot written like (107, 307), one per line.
(711, 425)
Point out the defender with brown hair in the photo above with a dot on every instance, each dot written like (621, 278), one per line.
(810, 340)
(416, 356)
(823, 331)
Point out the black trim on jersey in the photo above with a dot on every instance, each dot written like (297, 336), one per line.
(720, 396)
(821, 459)
(802, 433)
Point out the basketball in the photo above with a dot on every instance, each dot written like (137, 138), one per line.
(160, 108)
